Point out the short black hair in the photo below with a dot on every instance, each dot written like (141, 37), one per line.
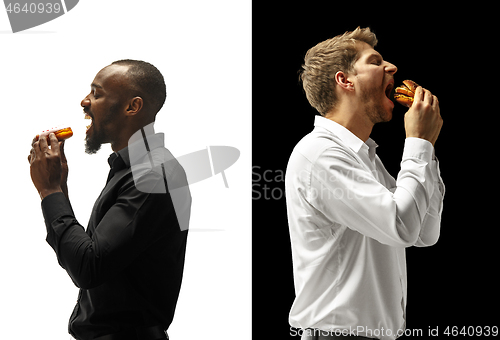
(147, 81)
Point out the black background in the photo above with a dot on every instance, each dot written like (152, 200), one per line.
(451, 52)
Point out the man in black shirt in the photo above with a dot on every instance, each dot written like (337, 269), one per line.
(129, 262)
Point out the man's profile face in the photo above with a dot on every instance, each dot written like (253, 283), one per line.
(103, 106)
(372, 83)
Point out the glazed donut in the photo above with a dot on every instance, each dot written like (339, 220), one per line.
(61, 134)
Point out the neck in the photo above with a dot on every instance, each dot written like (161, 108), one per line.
(132, 135)
(352, 118)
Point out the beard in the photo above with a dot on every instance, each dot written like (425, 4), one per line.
(98, 136)
(373, 107)
(94, 141)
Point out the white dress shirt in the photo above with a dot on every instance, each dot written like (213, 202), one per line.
(350, 222)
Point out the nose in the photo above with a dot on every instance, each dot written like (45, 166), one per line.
(85, 102)
(390, 68)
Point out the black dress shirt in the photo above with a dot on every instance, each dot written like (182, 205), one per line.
(129, 262)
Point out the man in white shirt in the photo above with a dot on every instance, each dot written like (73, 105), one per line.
(350, 220)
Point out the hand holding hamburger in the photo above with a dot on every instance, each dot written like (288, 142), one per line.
(423, 119)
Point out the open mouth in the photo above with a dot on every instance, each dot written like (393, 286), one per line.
(91, 121)
(388, 90)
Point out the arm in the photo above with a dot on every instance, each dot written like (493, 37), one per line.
(423, 120)
(129, 227)
(356, 199)
(64, 171)
(429, 233)
(349, 194)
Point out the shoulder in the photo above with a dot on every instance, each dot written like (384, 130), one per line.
(320, 148)
(158, 172)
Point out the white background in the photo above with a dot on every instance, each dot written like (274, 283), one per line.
(203, 49)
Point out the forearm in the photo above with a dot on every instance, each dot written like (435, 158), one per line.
(419, 178)
(431, 225)
(126, 230)
(353, 197)
(64, 234)
(418, 173)
(76, 251)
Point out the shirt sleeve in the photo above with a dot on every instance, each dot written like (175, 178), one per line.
(429, 233)
(347, 192)
(130, 226)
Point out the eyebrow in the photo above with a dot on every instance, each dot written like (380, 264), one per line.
(374, 56)
(96, 85)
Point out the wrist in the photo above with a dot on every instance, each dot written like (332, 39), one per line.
(420, 137)
(418, 148)
(64, 188)
(46, 192)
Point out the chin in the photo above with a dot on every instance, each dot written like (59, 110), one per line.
(385, 113)
(92, 148)
(388, 116)
(93, 143)
(380, 114)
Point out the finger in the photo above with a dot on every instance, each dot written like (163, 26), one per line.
(435, 102)
(31, 156)
(54, 142)
(35, 148)
(36, 151)
(419, 95)
(34, 140)
(428, 96)
(42, 145)
(435, 107)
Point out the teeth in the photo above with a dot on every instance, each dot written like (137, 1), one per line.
(88, 117)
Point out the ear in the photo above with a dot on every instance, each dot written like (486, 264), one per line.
(134, 106)
(343, 81)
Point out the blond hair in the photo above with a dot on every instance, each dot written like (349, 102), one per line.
(324, 60)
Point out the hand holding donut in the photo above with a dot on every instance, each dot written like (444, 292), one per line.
(49, 169)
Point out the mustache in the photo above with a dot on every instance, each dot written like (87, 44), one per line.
(87, 111)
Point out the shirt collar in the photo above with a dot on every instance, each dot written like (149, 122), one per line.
(116, 162)
(347, 137)
(123, 153)
(121, 159)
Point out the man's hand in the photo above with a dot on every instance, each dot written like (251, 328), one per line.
(64, 170)
(46, 167)
(423, 119)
